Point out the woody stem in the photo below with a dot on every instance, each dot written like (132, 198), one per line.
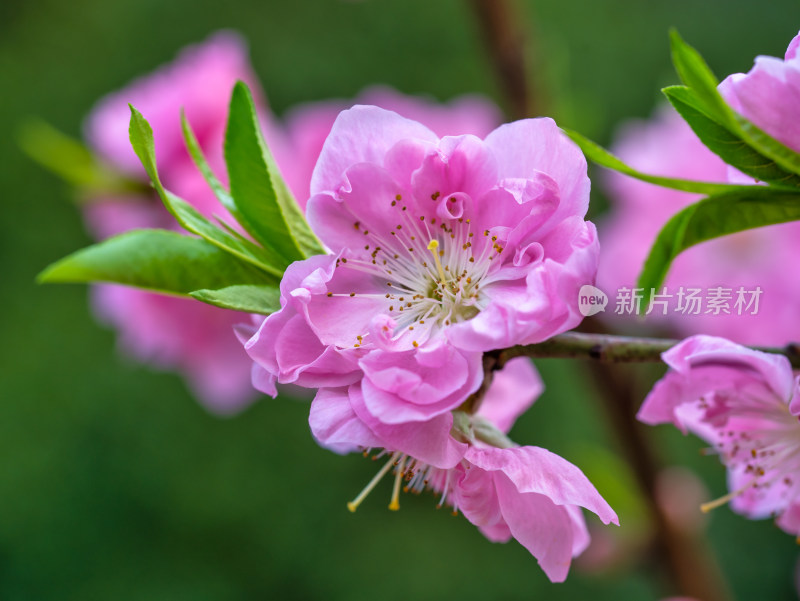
(606, 348)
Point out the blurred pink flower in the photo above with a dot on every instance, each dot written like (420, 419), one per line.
(171, 332)
(748, 261)
(526, 493)
(182, 334)
(744, 403)
(442, 249)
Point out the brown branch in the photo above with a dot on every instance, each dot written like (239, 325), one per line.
(612, 349)
(688, 561)
(504, 38)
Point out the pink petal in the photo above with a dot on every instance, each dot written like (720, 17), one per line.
(542, 527)
(459, 164)
(429, 441)
(335, 425)
(470, 114)
(524, 147)
(789, 520)
(768, 95)
(415, 386)
(703, 364)
(363, 204)
(537, 470)
(513, 390)
(362, 134)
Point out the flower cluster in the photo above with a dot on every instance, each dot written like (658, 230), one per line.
(440, 250)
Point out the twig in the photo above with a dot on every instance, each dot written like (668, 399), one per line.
(506, 44)
(611, 349)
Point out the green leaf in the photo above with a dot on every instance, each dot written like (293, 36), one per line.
(266, 207)
(73, 162)
(746, 208)
(785, 157)
(729, 146)
(697, 76)
(141, 136)
(193, 146)
(602, 157)
(249, 298)
(157, 260)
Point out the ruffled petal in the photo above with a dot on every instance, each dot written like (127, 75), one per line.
(701, 365)
(458, 164)
(362, 134)
(525, 147)
(365, 203)
(542, 527)
(415, 386)
(336, 426)
(429, 441)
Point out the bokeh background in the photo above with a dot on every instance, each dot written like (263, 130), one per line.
(116, 484)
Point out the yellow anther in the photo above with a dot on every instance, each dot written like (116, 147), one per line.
(433, 245)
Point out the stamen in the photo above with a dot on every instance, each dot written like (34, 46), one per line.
(432, 246)
(706, 507)
(353, 505)
(394, 505)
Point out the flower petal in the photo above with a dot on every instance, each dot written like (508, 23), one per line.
(362, 134)
(703, 364)
(524, 147)
(336, 426)
(414, 386)
(542, 527)
(429, 441)
(537, 470)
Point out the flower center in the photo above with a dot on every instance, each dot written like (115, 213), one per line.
(429, 271)
(767, 448)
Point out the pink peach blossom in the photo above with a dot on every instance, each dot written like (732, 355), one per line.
(182, 334)
(441, 249)
(526, 493)
(744, 403)
(170, 332)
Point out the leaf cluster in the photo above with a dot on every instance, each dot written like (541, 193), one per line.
(232, 267)
(725, 209)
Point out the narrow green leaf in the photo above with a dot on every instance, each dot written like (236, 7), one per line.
(141, 136)
(746, 208)
(193, 146)
(602, 157)
(249, 298)
(157, 260)
(72, 161)
(267, 208)
(730, 147)
(696, 74)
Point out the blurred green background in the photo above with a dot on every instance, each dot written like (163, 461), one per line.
(115, 484)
